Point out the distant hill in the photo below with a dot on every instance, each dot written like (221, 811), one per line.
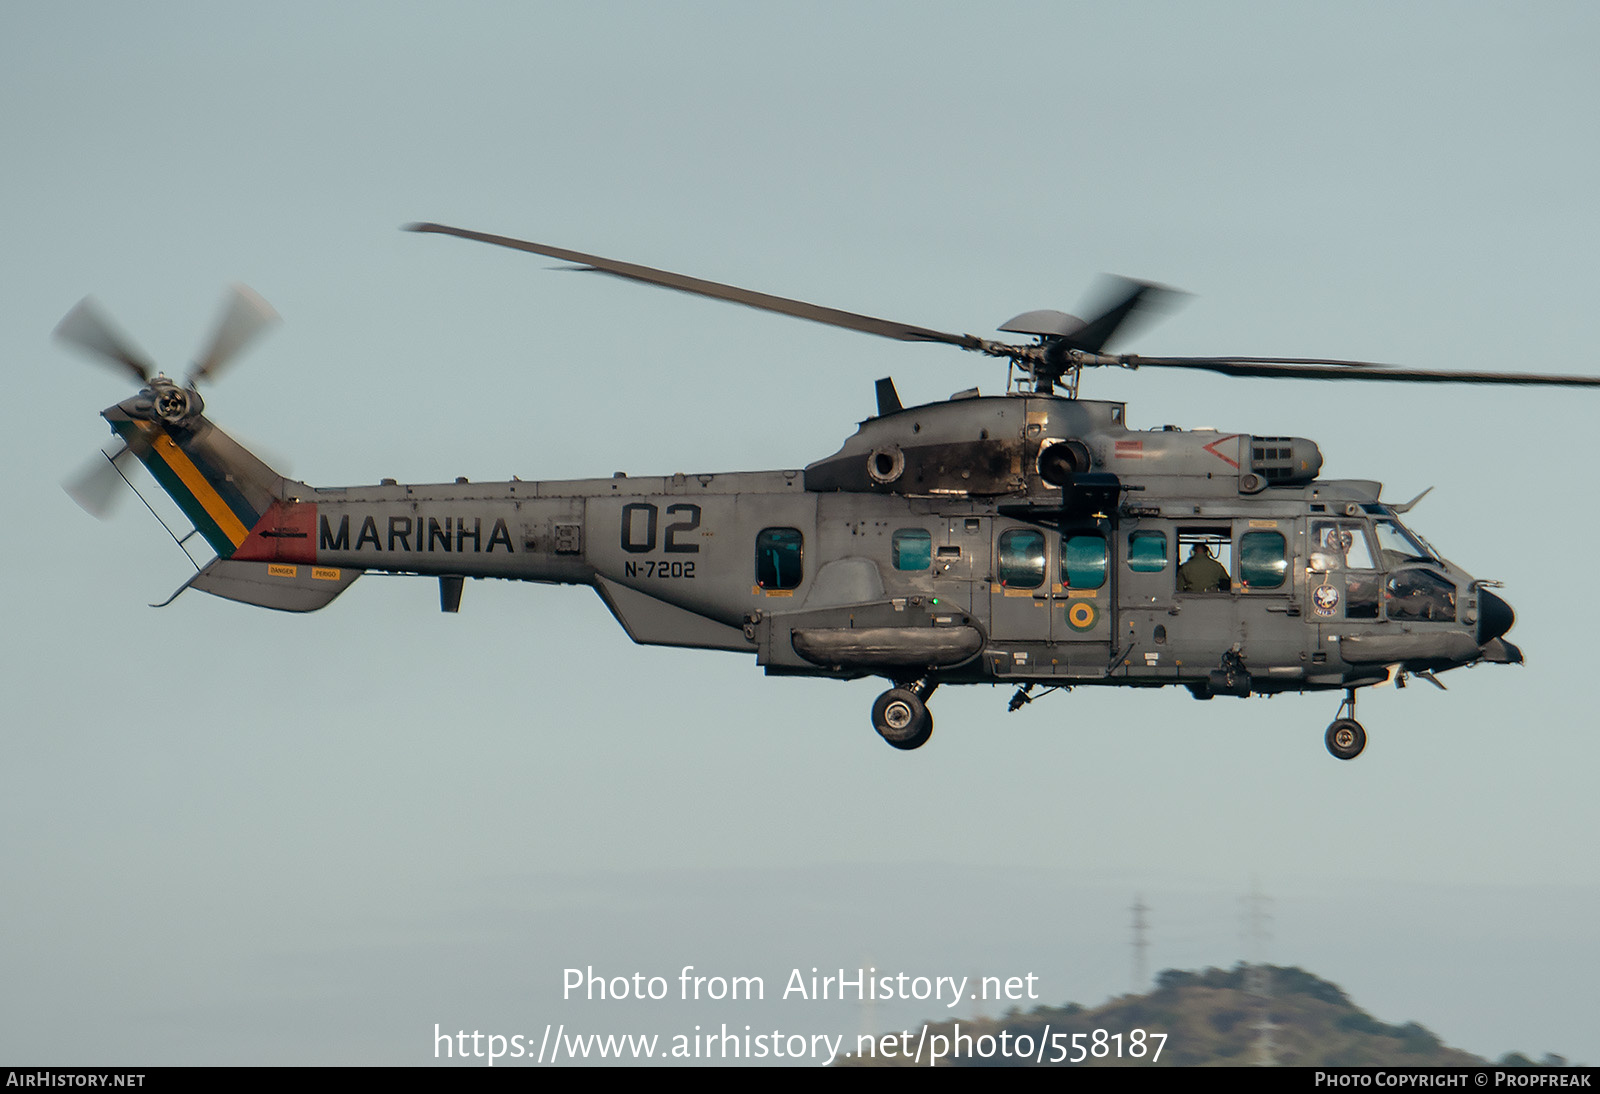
(1210, 1017)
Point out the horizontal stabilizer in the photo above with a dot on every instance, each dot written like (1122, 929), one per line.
(284, 587)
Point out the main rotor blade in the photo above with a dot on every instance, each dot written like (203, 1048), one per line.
(1126, 299)
(799, 309)
(1315, 368)
(88, 328)
(244, 316)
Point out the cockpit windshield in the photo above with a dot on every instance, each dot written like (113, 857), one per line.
(1398, 544)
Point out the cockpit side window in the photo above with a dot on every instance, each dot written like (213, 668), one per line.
(1339, 545)
(1420, 594)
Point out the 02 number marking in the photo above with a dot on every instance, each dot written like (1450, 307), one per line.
(639, 521)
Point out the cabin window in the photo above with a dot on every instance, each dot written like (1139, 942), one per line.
(912, 549)
(1420, 594)
(1020, 562)
(779, 557)
(1083, 562)
(1263, 560)
(1147, 552)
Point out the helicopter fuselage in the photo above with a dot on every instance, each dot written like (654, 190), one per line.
(1027, 539)
(1019, 539)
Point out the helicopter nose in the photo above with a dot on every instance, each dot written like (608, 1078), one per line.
(1495, 617)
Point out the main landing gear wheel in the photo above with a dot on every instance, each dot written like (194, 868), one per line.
(902, 718)
(1345, 738)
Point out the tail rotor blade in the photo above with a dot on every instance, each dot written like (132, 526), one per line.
(99, 485)
(244, 316)
(88, 328)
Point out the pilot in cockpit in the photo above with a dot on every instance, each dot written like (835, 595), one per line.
(1332, 550)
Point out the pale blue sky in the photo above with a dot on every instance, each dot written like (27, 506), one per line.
(238, 836)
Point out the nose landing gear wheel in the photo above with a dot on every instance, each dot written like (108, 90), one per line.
(1345, 738)
(902, 718)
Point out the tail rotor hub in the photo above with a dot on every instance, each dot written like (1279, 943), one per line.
(87, 327)
(174, 404)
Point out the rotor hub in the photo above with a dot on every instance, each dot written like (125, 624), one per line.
(174, 404)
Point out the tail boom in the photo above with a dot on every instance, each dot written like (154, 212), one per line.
(228, 494)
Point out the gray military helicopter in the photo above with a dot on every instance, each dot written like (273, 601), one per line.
(1028, 539)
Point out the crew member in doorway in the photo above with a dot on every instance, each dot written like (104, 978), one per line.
(1202, 573)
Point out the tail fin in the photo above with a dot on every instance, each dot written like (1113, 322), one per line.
(223, 489)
